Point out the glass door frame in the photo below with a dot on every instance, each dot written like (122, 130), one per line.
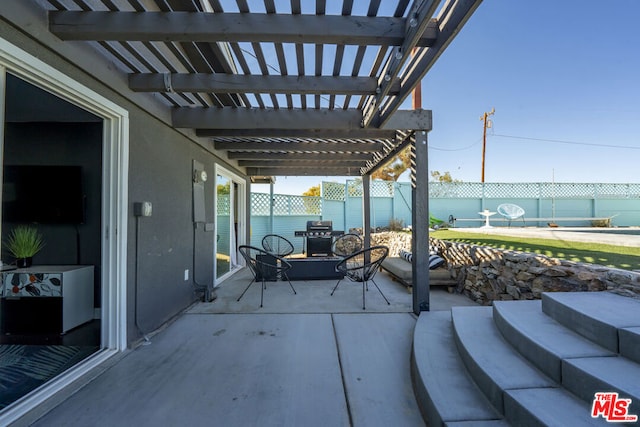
(236, 200)
(115, 153)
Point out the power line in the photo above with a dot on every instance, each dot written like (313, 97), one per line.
(479, 140)
(567, 142)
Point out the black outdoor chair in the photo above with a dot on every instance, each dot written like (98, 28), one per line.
(277, 245)
(264, 266)
(362, 266)
(347, 244)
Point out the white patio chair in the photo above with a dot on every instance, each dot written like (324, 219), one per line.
(511, 212)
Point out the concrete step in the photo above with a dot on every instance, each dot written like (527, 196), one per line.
(630, 343)
(491, 361)
(538, 407)
(444, 390)
(586, 376)
(537, 363)
(539, 338)
(595, 315)
(490, 423)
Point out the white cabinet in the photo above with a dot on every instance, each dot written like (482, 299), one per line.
(70, 285)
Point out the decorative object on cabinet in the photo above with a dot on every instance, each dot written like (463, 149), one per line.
(23, 243)
(46, 299)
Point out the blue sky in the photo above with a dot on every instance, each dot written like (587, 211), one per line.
(564, 79)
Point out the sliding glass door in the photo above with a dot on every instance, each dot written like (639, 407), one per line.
(230, 226)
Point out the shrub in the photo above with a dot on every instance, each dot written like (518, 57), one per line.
(396, 224)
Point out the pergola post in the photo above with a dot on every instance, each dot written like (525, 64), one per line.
(420, 222)
(366, 210)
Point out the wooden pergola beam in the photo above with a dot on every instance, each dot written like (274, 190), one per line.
(315, 171)
(308, 163)
(262, 118)
(312, 134)
(302, 146)
(234, 83)
(233, 27)
(258, 118)
(277, 155)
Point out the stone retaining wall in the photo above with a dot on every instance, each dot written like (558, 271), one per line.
(486, 274)
(394, 240)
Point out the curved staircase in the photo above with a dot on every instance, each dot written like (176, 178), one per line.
(527, 363)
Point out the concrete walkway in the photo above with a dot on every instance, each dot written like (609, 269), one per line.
(302, 360)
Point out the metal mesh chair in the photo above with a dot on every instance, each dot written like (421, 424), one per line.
(277, 245)
(361, 267)
(264, 266)
(510, 212)
(347, 244)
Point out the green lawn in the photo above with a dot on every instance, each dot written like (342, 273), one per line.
(627, 258)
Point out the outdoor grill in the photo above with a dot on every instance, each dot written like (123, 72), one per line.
(319, 238)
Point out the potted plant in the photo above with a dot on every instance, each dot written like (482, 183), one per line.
(23, 243)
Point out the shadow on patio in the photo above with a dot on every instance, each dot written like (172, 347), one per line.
(307, 359)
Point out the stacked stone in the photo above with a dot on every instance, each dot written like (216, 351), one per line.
(395, 241)
(488, 274)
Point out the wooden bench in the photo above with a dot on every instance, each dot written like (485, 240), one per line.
(401, 270)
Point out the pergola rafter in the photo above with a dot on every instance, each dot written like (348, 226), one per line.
(235, 27)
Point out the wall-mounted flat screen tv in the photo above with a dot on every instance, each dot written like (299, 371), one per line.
(42, 194)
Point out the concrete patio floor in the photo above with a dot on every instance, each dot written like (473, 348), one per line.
(302, 360)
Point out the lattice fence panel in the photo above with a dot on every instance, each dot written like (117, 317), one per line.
(512, 190)
(333, 191)
(455, 190)
(634, 190)
(378, 188)
(260, 204)
(566, 190)
(354, 188)
(305, 205)
(223, 204)
(281, 204)
(617, 191)
(381, 188)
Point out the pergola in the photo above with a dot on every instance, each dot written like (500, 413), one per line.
(285, 88)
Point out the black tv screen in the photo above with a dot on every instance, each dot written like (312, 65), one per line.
(42, 194)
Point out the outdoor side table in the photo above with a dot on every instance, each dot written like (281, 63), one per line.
(486, 214)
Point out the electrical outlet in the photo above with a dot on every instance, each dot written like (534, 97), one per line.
(186, 274)
(142, 208)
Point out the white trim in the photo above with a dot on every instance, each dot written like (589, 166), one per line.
(3, 92)
(242, 209)
(114, 213)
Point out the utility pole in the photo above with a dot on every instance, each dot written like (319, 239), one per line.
(416, 93)
(487, 123)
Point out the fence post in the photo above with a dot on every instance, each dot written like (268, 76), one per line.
(344, 209)
(366, 210)
(594, 201)
(482, 200)
(271, 206)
